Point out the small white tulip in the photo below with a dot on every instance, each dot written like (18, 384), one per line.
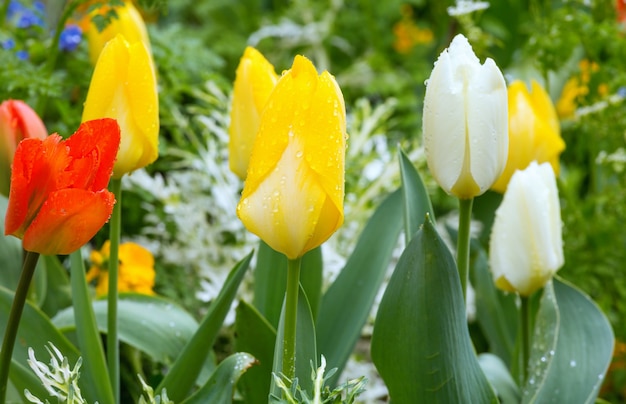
(465, 121)
(526, 246)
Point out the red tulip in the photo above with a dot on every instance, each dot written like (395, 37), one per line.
(17, 121)
(59, 197)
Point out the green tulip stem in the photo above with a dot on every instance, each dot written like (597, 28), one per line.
(28, 269)
(291, 314)
(4, 11)
(525, 330)
(463, 242)
(113, 348)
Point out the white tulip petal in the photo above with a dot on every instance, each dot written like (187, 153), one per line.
(526, 246)
(487, 122)
(444, 123)
(465, 121)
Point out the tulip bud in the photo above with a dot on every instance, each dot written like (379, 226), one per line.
(255, 81)
(526, 246)
(17, 121)
(293, 194)
(128, 23)
(123, 87)
(534, 131)
(465, 121)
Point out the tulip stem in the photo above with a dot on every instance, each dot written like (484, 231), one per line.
(525, 331)
(28, 269)
(291, 314)
(113, 348)
(463, 242)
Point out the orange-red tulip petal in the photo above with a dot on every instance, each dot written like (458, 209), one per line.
(58, 199)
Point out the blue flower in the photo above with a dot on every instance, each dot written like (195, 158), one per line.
(70, 38)
(8, 44)
(25, 17)
(22, 55)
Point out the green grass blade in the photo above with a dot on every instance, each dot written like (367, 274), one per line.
(347, 303)
(183, 374)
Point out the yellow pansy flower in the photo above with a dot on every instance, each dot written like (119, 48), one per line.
(136, 269)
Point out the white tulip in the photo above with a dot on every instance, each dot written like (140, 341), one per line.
(465, 121)
(526, 246)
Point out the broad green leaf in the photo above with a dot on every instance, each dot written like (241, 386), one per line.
(496, 311)
(58, 290)
(571, 349)
(270, 280)
(416, 200)
(185, 370)
(421, 344)
(254, 334)
(347, 302)
(36, 331)
(151, 324)
(220, 387)
(500, 378)
(306, 349)
(95, 370)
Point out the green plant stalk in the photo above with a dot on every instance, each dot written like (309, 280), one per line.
(28, 269)
(525, 336)
(4, 12)
(463, 242)
(53, 53)
(291, 314)
(113, 348)
(87, 332)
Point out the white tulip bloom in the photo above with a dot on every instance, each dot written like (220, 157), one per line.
(526, 246)
(465, 121)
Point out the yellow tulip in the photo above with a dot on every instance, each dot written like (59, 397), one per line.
(129, 23)
(136, 269)
(255, 81)
(293, 194)
(124, 87)
(534, 131)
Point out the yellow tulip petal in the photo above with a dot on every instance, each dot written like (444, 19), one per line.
(293, 194)
(123, 87)
(534, 131)
(254, 82)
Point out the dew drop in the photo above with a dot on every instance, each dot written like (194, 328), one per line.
(572, 363)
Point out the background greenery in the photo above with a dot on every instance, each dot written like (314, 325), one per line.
(381, 53)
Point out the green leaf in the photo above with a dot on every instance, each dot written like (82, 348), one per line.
(306, 347)
(35, 331)
(347, 302)
(94, 369)
(421, 344)
(151, 324)
(254, 334)
(11, 253)
(220, 387)
(270, 280)
(183, 374)
(496, 311)
(58, 293)
(572, 347)
(500, 378)
(416, 199)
